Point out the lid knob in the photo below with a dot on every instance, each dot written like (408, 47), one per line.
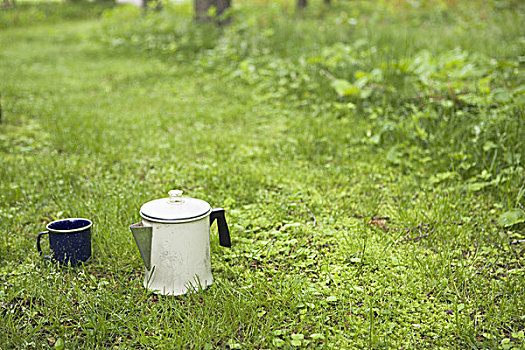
(175, 196)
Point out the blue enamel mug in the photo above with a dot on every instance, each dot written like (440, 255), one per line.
(69, 240)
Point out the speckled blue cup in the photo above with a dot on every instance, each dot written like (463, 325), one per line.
(69, 240)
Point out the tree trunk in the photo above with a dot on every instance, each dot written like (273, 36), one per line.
(203, 7)
(301, 4)
(7, 3)
(328, 2)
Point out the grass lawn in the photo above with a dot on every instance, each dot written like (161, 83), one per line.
(370, 160)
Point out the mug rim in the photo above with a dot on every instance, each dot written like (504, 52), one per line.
(72, 230)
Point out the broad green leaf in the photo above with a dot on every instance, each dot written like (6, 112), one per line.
(59, 345)
(518, 335)
(511, 217)
(440, 177)
(277, 342)
(317, 336)
(488, 146)
(296, 342)
(280, 331)
(361, 74)
(477, 186)
(344, 88)
(212, 11)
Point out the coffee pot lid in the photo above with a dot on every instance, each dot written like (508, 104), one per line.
(175, 209)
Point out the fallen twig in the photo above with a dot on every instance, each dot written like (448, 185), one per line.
(264, 266)
(419, 228)
(313, 216)
(379, 222)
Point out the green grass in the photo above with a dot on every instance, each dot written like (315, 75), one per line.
(103, 115)
(30, 13)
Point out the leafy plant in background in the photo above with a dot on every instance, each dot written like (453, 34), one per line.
(451, 116)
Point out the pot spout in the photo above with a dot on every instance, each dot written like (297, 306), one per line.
(142, 235)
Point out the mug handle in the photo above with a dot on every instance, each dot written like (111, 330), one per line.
(224, 232)
(38, 243)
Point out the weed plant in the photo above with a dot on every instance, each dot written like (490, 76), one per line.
(369, 156)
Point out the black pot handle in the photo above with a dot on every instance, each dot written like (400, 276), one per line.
(38, 243)
(224, 232)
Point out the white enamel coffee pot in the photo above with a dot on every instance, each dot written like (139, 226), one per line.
(174, 242)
